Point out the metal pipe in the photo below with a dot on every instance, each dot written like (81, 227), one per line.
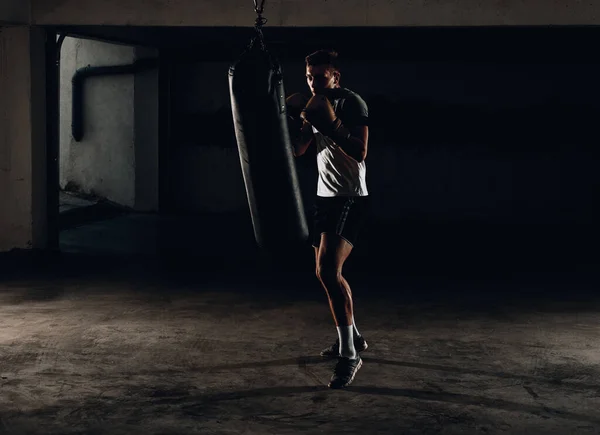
(84, 73)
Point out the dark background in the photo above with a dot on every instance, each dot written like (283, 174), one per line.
(483, 141)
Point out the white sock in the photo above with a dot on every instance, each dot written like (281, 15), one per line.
(346, 335)
(356, 333)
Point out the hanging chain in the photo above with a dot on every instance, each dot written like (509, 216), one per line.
(259, 9)
(260, 20)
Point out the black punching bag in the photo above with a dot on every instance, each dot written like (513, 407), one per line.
(268, 166)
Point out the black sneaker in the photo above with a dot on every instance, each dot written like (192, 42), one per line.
(333, 351)
(344, 372)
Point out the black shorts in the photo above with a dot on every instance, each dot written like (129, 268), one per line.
(341, 215)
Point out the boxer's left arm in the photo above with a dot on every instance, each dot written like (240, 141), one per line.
(356, 143)
(356, 117)
(352, 139)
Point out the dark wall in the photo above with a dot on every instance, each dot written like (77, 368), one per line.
(503, 131)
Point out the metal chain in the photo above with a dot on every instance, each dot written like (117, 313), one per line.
(260, 21)
(257, 9)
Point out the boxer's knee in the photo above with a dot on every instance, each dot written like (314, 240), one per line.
(331, 278)
(327, 270)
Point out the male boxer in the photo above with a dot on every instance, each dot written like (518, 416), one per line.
(335, 119)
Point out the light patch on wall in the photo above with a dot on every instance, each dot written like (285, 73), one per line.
(4, 145)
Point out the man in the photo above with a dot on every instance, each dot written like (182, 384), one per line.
(335, 121)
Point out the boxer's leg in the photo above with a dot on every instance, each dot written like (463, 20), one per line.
(339, 221)
(333, 252)
(360, 344)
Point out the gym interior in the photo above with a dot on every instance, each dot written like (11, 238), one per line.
(134, 297)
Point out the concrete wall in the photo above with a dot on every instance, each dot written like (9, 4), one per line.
(22, 138)
(15, 11)
(317, 12)
(103, 162)
(117, 158)
(506, 142)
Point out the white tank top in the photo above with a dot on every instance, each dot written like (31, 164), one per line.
(339, 174)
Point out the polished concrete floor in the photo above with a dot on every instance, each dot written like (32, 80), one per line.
(136, 329)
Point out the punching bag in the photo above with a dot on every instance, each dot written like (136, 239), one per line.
(265, 150)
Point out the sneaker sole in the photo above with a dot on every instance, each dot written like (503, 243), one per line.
(358, 366)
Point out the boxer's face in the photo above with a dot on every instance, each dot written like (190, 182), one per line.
(320, 77)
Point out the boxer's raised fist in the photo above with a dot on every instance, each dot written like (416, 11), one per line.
(319, 112)
(294, 105)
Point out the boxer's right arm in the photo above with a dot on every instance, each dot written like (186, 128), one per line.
(303, 140)
(301, 133)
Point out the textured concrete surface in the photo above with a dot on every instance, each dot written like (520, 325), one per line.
(23, 214)
(220, 341)
(315, 12)
(15, 12)
(69, 201)
(103, 162)
(132, 355)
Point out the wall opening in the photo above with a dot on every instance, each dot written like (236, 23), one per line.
(108, 153)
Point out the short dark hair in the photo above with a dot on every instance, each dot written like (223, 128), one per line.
(323, 57)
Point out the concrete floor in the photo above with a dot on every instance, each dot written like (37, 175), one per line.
(105, 343)
(69, 201)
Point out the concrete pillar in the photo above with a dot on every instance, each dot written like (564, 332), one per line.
(23, 199)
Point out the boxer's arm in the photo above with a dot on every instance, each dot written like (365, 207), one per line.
(301, 134)
(351, 134)
(303, 140)
(356, 143)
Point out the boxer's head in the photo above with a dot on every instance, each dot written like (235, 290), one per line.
(322, 71)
